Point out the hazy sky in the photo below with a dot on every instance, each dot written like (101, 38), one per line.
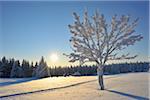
(29, 30)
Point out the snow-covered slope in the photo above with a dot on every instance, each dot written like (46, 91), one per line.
(118, 87)
(40, 84)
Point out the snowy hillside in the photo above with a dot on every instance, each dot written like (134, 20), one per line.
(122, 86)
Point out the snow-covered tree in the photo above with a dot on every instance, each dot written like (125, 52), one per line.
(34, 69)
(26, 68)
(3, 67)
(42, 69)
(97, 41)
(15, 72)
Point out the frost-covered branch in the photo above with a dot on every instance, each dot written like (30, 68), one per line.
(93, 40)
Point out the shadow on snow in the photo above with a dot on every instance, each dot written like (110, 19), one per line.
(128, 95)
(17, 81)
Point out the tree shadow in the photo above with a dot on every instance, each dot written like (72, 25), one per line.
(128, 95)
(17, 81)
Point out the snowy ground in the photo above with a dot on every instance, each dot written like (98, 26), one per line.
(133, 86)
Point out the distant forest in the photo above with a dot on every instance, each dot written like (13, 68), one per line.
(11, 68)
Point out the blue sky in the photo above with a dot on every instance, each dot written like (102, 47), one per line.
(29, 30)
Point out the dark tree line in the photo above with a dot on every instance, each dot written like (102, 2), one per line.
(14, 69)
(108, 69)
(71, 70)
(126, 67)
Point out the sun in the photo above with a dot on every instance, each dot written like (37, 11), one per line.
(54, 57)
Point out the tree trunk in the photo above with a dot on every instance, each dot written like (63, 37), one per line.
(100, 77)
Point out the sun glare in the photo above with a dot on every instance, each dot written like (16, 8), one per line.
(54, 57)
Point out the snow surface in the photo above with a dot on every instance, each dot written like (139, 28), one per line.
(133, 86)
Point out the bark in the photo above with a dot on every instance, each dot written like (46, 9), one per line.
(100, 77)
